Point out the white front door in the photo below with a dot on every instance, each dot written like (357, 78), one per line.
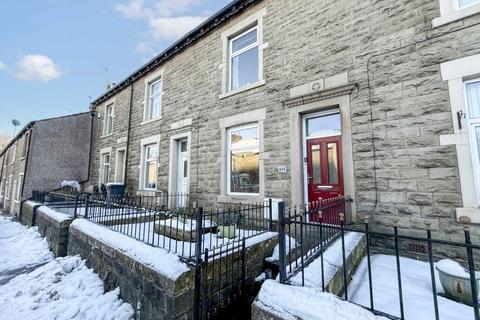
(182, 173)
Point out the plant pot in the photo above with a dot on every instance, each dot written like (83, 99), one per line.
(457, 286)
(227, 231)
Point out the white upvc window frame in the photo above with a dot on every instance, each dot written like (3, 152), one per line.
(232, 55)
(109, 119)
(103, 173)
(154, 140)
(148, 106)
(8, 187)
(230, 150)
(146, 164)
(451, 11)
(13, 153)
(473, 123)
(20, 183)
(25, 145)
(2, 182)
(456, 4)
(255, 20)
(155, 77)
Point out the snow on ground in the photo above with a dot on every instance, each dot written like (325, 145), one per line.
(62, 289)
(21, 247)
(416, 285)
(292, 302)
(332, 258)
(146, 233)
(159, 259)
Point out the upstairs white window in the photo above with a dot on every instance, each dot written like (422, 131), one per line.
(472, 92)
(243, 168)
(460, 4)
(154, 103)
(150, 159)
(19, 187)
(108, 122)
(25, 145)
(105, 168)
(244, 59)
(13, 154)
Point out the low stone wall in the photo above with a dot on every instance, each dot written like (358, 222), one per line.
(153, 295)
(54, 229)
(335, 285)
(28, 212)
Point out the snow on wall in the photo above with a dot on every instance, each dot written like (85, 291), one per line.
(58, 216)
(292, 302)
(162, 261)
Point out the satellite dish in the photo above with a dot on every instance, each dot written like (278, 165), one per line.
(15, 122)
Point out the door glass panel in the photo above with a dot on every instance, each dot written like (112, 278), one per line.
(316, 166)
(332, 163)
(185, 166)
(477, 133)
(473, 99)
(324, 126)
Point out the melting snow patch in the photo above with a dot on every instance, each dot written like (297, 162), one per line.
(73, 184)
(291, 302)
(62, 289)
(162, 261)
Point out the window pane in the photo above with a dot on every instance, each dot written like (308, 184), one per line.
(185, 168)
(151, 175)
(473, 99)
(316, 165)
(332, 163)
(245, 172)
(324, 126)
(464, 3)
(244, 41)
(184, 146)
(244, 138)
(155, 104)
(151, 152)
(245, 69)
(155, 88)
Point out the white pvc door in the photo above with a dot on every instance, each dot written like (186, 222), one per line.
(182, 173)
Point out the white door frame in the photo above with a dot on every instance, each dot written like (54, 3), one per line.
(120, 172)
(173, 162)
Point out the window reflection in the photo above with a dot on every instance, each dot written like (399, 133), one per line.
(329, 125)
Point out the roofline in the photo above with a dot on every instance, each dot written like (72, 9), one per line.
(231, 10)
(29, 125)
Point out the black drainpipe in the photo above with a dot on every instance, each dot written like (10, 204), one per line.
(27, 156)
(127, 148)
(92, 114)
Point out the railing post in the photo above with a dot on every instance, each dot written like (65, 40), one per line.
(270, 215)
(281, 242)
(342, 231)
(76, 206)
(198, 266)
(471, 266)
(87, 199)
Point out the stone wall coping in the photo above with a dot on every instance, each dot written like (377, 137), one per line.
(58, 217)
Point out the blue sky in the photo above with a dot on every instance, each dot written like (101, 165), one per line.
(53, 53)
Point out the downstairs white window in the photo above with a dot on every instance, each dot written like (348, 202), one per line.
(472, 93)
(150, 155)
(243, 168)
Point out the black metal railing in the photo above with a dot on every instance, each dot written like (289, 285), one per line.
(300, 222)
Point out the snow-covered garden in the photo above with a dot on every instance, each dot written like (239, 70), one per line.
(35, 285)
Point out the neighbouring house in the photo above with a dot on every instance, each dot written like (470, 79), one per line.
(298, 101)
(42, 155)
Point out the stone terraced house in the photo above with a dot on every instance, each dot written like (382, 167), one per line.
(42, 155)
(297, 100)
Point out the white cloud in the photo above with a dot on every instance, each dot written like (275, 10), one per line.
(36, 67)
(3, 66)
(166, 20)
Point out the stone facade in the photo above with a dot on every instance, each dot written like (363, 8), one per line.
(381, 60)
(46, 153)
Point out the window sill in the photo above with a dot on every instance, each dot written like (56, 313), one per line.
(244, 198)
(243, 89)
(472, 213)
(150, 121)
(106, 136)
(456, 15)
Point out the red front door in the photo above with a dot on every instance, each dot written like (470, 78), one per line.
(324, 169)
